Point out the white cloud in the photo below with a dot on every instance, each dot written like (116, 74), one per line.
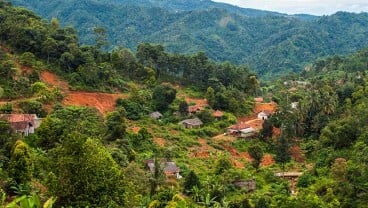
(316, 7)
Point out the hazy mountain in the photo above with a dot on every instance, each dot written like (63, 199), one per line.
(269, 42)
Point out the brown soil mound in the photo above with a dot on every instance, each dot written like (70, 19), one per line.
(267, 160)
(104, 102)
(52, 79)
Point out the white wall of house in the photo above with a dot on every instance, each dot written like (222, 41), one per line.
(262, 116)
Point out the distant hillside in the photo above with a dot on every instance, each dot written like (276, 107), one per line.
(271, 43)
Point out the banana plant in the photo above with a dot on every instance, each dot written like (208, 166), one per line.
(30, 202)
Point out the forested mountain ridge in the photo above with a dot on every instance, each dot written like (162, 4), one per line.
(314, 123)
(269, 43)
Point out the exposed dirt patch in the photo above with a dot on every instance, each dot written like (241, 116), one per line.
(276, 132)
(247, 118)
(160, 141)
(198, 101)
(296, 153)
(237, 164)
(256, 123)
(258, 107)
(104, 102)
(267, 160)
(203, 151)
(135, 129)
(53, 80)
(223, 138)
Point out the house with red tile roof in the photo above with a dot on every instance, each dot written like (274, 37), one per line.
(194, 109)
(22, 123)
(218, 114)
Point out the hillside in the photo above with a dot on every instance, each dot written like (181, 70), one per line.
(270, 43)
(82, 127)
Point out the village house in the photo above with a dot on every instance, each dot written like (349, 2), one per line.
(169, 168)
(241, 130)
(156, 115)
(194, 109)
(248, 185)
(264, 115)
(218, 114)
(294, 105)
(24, 124)
(192, 123)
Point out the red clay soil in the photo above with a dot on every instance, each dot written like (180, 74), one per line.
(160, 141)
(296, 153)
(247, 118)
(256, 123)
(267, 160)
(276, 132)
(238, 155)
(202, 151)
(237, 164)
(104, 102)
(52, 79)
(198, 102)
(136, 129)
(258, 107)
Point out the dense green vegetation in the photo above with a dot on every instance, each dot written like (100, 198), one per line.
(81, 158)
(268, 42)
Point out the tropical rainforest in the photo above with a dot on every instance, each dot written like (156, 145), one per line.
(312, 150)
(270, 43)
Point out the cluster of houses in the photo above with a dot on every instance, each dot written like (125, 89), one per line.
(251, 128)
(241, 129)
(192, 122)
(24, 124)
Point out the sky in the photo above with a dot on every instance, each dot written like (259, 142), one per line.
(315, 7)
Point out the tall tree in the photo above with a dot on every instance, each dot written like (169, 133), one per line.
(21, 165)
(163, 96)
(256, 152)
(86, 174)
(282, 151)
